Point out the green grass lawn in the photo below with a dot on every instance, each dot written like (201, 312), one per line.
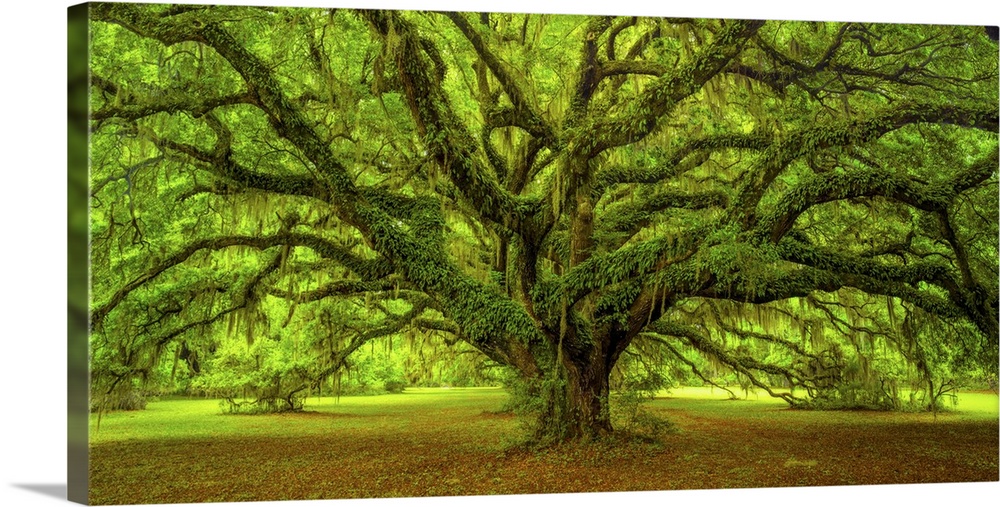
(203, 418)
(430, 442)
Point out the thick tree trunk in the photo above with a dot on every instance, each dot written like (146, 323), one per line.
(587, 399)
(575, 403)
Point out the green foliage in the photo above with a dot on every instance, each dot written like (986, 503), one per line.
(538, 407)
(125, 399)
(853, 395)
(371, 373)
(633, 391)
(260, 378)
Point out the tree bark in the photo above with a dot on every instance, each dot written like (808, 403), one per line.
(587, 392)
(576, 403)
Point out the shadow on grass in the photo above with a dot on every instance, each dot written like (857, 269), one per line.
(53, 490)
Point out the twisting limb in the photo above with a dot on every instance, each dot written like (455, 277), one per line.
(811, 140)
(325, 248)
(524, 111)
(171, 102)
(827, 187)
(743, 364)
(669, 90)
(690, 364)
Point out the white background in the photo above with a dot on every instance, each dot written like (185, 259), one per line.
(33, 246)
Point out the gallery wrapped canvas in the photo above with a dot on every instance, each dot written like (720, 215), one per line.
(328, 253)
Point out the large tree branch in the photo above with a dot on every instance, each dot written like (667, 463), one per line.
(639, 67)
(368, 269)
(221, 163)
(588, 71)
(777, 81)
(339, 288)
(629, 216)
(812, 140)
(201, 26)
(663, 95)
(834, 186)
(968, 301)
(837, 271)
(913, 273)
(677, 161)
(622, 24)
(528, 117)
(171, 101)
(448, 141)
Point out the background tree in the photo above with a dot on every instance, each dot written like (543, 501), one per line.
(551, 190)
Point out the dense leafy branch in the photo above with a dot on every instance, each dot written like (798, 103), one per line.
(523, 110)
(367, 269)
(827, 187)
(446, 138)
(669, 90)
(673, 166)
(220, 161)
(629, 217)
(811, 140)
(168, 101)
(744, 364)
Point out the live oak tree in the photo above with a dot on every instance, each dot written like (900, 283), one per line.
(552, 190)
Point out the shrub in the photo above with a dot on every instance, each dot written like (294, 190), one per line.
(395, 386)
(628, 412)
(368, 375)
(255, 379)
